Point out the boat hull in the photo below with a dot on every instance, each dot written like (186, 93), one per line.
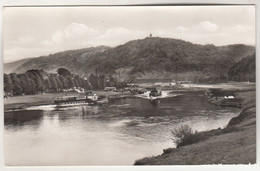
(71, 103)
(80, 102)
(155, 97)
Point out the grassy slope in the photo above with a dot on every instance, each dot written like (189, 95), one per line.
(236, 144)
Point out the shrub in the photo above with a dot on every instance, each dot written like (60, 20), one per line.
(168, 150)
(184, 135)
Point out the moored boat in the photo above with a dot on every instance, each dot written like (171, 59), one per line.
(154, 94)
(70, 100)
(97, 99)
(102, 100)
(88, 99)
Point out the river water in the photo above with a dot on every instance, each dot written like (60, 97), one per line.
(117, 133)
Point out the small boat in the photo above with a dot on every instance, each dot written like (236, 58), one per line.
(91, 97)
(96, 99)
(154, 94)
(102, 100)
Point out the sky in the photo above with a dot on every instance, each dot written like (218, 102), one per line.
(36, 31)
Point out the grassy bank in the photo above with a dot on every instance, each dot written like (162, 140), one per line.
(235, 144)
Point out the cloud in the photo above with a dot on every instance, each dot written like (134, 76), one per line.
(74, 31)
(78, 35)
(207, 26)
(74, 36)
(26, 40)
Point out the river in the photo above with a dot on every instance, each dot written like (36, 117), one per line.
(117, 133)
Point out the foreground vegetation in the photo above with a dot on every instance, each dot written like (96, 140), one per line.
(234, 144)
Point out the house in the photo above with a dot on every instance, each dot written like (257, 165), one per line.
(229, 97)
(85, 77)
(110, 89)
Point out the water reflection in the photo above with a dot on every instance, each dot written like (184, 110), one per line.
(155, 103)
(20, 118)
(90, 110)
(117, 133)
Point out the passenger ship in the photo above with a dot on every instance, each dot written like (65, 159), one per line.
(88, 99)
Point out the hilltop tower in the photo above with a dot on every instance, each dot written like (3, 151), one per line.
(151, 35)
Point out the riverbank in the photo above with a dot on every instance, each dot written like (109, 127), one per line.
(20, 102)
(235, 144)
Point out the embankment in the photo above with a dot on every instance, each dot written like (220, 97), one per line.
(235, 144)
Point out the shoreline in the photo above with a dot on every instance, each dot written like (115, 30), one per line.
(17, 102)
(217, 146)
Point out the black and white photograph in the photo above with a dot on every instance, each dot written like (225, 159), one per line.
(129, 85)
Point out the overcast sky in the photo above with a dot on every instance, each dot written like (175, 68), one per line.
(36, 31)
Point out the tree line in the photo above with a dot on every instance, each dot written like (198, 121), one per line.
(99, 82)
(38, 81)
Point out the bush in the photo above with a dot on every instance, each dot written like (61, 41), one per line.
(168, 150)
(184, 135)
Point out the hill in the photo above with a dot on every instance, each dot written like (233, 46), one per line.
(11, 66)
(73, 60)
(152, 57)
(156, 57)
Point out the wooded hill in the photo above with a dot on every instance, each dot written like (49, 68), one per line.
(152, 57)
(74, 60)
(243, 70)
